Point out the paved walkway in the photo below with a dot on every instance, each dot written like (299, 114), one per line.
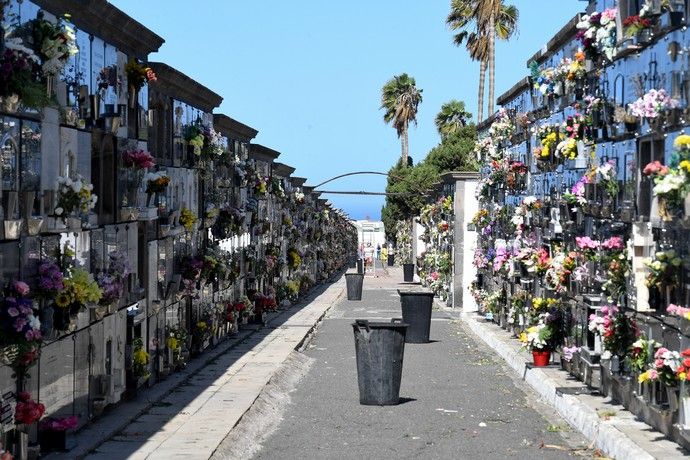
(193, 420)
(459, 399)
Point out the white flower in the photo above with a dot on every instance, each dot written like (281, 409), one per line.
(669, 183)
(59, 211)
(34, 322)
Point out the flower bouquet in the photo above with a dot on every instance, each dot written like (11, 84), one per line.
(138, 159)
(194, 136)
(138, 75)
(27, 410)
(74, 197)
(20, 337)
(187, 219)
(597, 34)
(140, 360)
(653, 105)
(635, 24)
(112, 280)
(537, 339)
(80, 289)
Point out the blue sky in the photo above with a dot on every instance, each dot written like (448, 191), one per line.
(307, 74)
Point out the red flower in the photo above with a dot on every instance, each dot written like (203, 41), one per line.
(27, 410)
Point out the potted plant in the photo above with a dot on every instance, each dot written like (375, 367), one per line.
(536, 339)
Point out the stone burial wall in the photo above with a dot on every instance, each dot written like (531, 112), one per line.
(139, 227)
(585, 208)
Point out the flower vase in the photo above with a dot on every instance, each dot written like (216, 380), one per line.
(665, 210)
(13, 229)
(672, 394)
(684, 403)
(9, 103)
(22, 448)
(631, 126)
(34, 225)
(73, 223)
(541, 358)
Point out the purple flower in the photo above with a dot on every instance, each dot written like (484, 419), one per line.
(13, 312)
(19, 324)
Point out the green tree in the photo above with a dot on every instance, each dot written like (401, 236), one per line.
(400, 98)
(455, 152)
(480, 22)
(451, 118)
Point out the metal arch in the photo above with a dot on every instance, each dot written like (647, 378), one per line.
(422, 192)
(349, 174)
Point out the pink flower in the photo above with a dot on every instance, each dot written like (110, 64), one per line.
(653, 374)
(615, 242)
(12, 311)
(659, 353)
(655, 168)
(585, 242)
(21, 287)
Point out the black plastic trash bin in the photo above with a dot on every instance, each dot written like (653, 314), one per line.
(352, 262)
(416, 311)
(353, 282)
(380, 348)
(360, 266)
(391, 260)
(408, 273)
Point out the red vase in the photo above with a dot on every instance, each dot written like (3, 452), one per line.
(541, 357)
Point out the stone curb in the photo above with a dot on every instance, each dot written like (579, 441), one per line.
(602, 434)
(95, 434)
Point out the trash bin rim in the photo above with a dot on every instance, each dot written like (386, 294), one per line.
(354, 274)
(418, 292)
(363, 323)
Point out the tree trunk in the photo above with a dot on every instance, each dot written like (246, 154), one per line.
(480, 99)
(404, 142)
(492, 63)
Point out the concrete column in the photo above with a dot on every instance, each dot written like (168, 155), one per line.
(465, 206)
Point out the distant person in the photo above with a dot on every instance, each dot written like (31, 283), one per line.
(368, 256)
(378, 251)
(384, 253)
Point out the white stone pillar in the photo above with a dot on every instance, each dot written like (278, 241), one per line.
(465, 206)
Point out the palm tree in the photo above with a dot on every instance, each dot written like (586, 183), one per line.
(480, 22)
(400, 98)
(451, 118)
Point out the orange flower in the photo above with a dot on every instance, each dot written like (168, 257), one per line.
(580, 56)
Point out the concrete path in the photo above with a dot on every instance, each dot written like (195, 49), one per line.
(459, 399)
(193, 420)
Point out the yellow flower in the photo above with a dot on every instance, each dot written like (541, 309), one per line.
(141, 357)
(172, 343)
(643, 377)
(682, 142)
(545, 152)
(523, 337)
(682, 375)
(685, 166)
(62, 300)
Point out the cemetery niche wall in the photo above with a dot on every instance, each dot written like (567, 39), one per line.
(139, 228)
(585, 209)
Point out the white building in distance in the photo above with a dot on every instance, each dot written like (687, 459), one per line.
(370, 232)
